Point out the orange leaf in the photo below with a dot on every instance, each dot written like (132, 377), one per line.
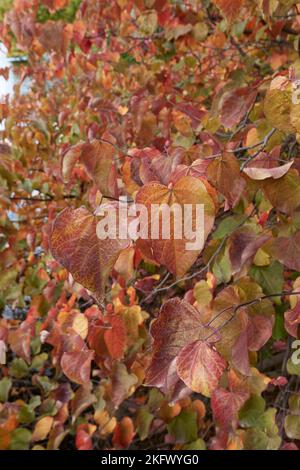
(115, 338)
(123, 433)
(172, 252)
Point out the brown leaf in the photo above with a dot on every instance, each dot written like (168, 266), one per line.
(224, 174)
(284, 194)
(287, 251)
(235, 104)
(77, 366)
(74, 244)
(177, 325)
(243, 246)
(98, 157)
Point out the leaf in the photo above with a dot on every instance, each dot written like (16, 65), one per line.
(77, 366)
(42, 428)
(284, 194)
(147, 22)
(20, 439)
(278, 105)
(255, 439)
(69, 160)
(287, 251)
(224, 174)
(256, 332)
(259, 174)
(243, 245)
(235, 104)
(123, 384)
(199, 444)
(144, 421)
(97, 158)
(5, 386)
(82, 400)
(200, 367)
(172, 252)
(292, 320)
(184, 427)
(202, 293)
(74, 244)
(270, 278)
(226, 405)
(123, 433)
(84, 434)
(19, 341)
(177, 325)
(230, 8)
(252, 411)
(115, 337)
(292, 426)
(80, 325)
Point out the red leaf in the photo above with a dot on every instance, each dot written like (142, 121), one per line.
(224, 174)
(226, 405)
(83, 439)
(123, 433)
(115, 337)
(230, 8)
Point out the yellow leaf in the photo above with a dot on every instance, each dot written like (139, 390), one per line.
(42, 428)
(81, 325)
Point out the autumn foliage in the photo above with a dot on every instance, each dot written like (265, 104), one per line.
(143, 344)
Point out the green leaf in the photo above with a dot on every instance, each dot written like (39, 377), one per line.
(251, 412)
(199, 444)
(184, 427)
(144, 421)
(292, 426)
(5, 386)
(227, 226)
(255, 439)
(26, 414)
(292, 368)
(270, 278)
(20, 439)
(19, 368)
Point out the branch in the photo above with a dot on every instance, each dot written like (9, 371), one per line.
(263, 145)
